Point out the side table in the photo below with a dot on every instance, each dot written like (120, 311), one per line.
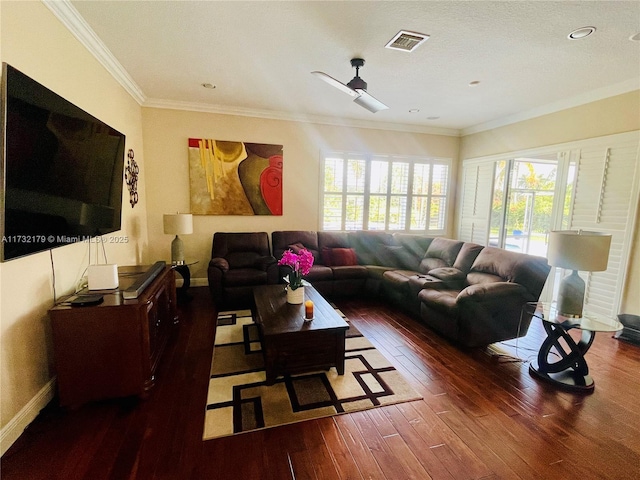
(561, 359)
(183, 270)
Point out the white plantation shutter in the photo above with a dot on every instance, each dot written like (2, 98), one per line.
(606, 199)
(475, 209)
(385, 192)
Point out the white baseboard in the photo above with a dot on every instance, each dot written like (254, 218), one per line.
(12, 430)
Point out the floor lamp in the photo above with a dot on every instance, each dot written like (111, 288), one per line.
(178, 224)
(576, 250)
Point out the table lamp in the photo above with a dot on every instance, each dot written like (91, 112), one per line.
(576, 250)
(178, 224)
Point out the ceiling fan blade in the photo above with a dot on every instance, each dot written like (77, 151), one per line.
(336, 83)
(369, 102)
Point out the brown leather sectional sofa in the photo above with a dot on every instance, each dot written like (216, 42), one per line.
(468, 293)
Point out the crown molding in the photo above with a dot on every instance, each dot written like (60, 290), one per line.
(566, 103)
(293, 117)
(71, 18)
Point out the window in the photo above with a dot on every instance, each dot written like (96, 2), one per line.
(391, 193)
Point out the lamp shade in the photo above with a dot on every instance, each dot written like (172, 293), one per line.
(579, 250)
(178, 223)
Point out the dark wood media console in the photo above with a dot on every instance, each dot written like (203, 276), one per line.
(113, 349)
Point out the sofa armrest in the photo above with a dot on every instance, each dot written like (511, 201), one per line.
(219, 263)
(492, 312)
(217, 267)
(451, 276)
(421, 281)
(495, 292)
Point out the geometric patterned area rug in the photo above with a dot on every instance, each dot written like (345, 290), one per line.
(240, 401)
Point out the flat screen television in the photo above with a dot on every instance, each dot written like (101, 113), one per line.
(61, 170)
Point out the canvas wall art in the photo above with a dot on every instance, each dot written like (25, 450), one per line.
(235, 178)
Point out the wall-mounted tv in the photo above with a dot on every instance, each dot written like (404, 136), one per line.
(62, 168)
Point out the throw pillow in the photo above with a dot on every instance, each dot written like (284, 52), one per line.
(341, 257)
(296, 247)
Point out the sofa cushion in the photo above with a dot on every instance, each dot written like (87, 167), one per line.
(398, 277)
(442, 252)
(468, 254)
(333, 240)
(366, 244)
(349, 272)
(428, 264)
(396, 256)
(376, 272)
(416, 245)
(319, 272)
(243, 259)
(295, 239)
(242, 277)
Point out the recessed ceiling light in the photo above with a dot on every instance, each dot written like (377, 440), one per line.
(475, 83)
(210, 86)
(433, 118)
(635, 38)
(581, 33)
(414, 110)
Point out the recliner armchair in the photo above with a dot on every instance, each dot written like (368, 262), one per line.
(239, 262)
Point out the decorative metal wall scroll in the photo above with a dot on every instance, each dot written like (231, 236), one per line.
(131, 177)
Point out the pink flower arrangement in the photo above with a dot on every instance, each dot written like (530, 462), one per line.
(300, 264)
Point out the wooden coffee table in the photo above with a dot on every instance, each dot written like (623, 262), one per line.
(291, 345)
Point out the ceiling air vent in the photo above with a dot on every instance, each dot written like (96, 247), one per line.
(406, 41)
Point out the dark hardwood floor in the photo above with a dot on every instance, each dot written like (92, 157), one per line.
(483, 417)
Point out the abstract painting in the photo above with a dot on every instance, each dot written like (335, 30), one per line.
(235, 178)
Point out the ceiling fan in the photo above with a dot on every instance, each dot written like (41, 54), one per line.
(357, 88)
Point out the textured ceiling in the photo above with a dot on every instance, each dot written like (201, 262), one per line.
(260, 55)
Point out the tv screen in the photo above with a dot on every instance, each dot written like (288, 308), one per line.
(61, 170)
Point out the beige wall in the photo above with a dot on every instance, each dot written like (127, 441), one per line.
(35, 42)
(165, 141)
(596, 119)
(604, 117)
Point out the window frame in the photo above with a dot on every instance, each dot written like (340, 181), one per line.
(369, 158)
